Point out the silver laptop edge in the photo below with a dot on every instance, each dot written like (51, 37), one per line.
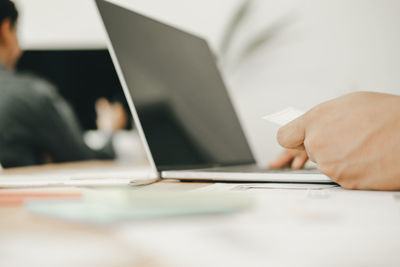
(129, 98)
(245, 176)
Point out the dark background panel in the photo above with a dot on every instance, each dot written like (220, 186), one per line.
(81, 76)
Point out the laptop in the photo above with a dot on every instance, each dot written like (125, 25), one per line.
(180, 104)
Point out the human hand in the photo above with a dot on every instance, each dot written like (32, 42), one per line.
(110, 116)
(294, 158)
(354, 139)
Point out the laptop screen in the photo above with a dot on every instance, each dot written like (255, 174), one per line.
(181, 101)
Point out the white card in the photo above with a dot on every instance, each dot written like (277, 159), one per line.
(285, 116)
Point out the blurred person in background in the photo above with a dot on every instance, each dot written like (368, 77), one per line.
(36, 124)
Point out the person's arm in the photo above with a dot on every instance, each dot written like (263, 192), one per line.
(58, 132)
(353, 139)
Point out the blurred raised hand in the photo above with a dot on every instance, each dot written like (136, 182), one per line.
(111, 117)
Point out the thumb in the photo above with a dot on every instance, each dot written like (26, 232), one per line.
(292, 135)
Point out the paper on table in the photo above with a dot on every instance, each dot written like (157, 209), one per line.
(18, 198)
(99, 176)
(285, 116)
(224, 187)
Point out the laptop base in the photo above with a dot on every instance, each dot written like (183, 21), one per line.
(249, 173)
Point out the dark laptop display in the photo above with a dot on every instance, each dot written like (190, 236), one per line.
(81, 76)
(181, 100)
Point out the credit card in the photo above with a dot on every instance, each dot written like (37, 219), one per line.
(285, 116)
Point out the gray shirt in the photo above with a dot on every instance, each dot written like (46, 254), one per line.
(37, 123)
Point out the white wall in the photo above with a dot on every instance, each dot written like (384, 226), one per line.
(75, 23)
(332, 47)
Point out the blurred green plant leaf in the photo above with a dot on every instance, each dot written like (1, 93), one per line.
(238, 17)
(263, 37)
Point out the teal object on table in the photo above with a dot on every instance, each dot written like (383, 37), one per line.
(108, 207)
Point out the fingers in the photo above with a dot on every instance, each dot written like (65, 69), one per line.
(283, 159)
(296, 159)
(300, 160)
(292, 135)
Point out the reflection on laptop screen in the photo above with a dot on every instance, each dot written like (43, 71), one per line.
(182, 103)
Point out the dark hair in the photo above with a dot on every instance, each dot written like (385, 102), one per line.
(8, 11)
